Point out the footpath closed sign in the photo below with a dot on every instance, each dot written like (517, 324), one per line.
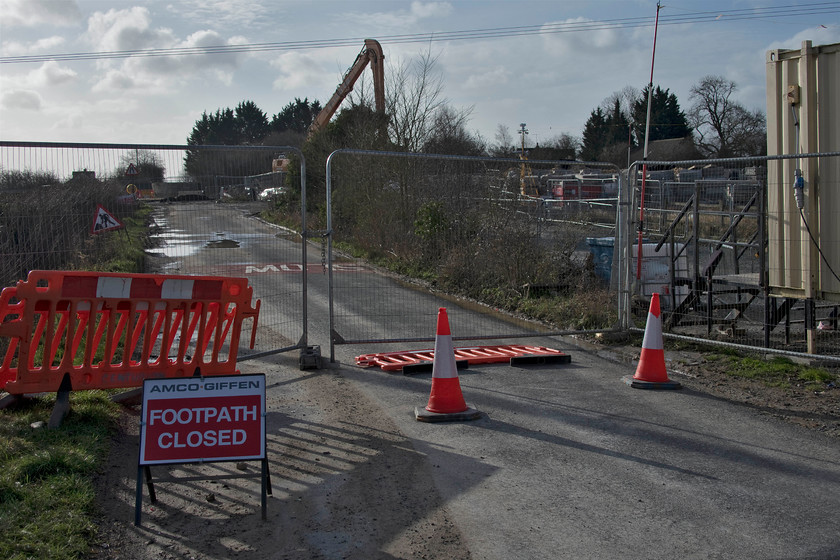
(217, 418)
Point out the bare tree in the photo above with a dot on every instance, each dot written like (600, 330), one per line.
(504, 142)
(568, 143)
(413, 96)
(724, 128)
(419, 116)
(148, 165)
(449, 134)
(625, 97)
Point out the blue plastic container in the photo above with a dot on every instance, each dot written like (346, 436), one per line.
(602, 256)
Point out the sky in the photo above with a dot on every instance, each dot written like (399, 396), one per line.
(545, 63)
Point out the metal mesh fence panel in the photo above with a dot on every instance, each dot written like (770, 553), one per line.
(203, 206)
(733, 257)
(469, 233)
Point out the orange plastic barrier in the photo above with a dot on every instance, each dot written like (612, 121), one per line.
(107, 330)
(513, 354)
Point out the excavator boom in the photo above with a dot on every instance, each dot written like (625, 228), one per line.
(371, 53)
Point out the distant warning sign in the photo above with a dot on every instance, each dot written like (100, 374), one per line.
(104, 221)
(131, 171)
(192, 419)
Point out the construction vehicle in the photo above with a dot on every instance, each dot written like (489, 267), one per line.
(371, 53)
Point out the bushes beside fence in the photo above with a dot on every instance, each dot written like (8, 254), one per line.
(457, 225)
(46, 224)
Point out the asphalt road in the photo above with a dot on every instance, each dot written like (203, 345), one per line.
(570, 462)
(566, 461)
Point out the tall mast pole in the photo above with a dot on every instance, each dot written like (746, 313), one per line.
(522, 132)
(645, 153)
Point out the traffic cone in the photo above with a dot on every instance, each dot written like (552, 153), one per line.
(446, 402)
(651, 372)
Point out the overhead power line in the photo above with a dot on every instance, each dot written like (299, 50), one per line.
(772, 12)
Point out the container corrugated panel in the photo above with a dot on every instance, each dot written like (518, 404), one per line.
(795, 266)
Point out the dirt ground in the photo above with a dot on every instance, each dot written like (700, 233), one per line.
(817, 410)
(322, 506)
(320, 428)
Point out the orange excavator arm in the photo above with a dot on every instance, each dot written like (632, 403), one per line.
(371, 53)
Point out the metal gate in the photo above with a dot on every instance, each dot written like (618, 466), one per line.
(208, 209)
(411, 232)
(731, 250)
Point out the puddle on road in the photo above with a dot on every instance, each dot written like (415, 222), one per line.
(176, 234)
(223, 244)
(176, 243)
(176, 246)
(174, 251)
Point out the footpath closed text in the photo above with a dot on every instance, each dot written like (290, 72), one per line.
(209, 427)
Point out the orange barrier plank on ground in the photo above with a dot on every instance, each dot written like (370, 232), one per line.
(396, 361)
(107, 330)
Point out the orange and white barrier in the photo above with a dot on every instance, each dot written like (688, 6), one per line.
(96, 330)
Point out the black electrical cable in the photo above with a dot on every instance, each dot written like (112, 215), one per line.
(781, 11)
(799, 194)
(817, 245)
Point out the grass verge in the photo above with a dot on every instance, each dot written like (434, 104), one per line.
(46, 487)
(778, 371)
(47, 494)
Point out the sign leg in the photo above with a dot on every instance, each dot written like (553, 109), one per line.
(265, 488)
(138, 496)
(267, 476)
(150, 483)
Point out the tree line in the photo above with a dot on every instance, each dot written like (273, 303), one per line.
(420, 119)
(715, 125)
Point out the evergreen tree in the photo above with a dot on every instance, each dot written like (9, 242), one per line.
(596, 136)
(618, 125)
(296, 116)
(245, 125)
(217, 129)
(251, 123)
(667, 120)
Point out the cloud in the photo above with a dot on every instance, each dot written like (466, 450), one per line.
(131, 30)
(15, 48)
(488, 78)
(21, 100)
(51, 74)
(228, 13)
(398, 19)
(31, 13)
(589, 40)
(48, 75)
(102, 119)
(113, 81)
(822, 35)
(125, 30)
(426, 10)
(298, 69)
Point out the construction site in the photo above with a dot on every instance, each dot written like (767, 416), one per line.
(388, 372)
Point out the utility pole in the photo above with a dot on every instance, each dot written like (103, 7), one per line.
(523, 132)
(645, 155)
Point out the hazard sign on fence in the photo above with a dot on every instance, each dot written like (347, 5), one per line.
(104, 221)
(198, 419)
